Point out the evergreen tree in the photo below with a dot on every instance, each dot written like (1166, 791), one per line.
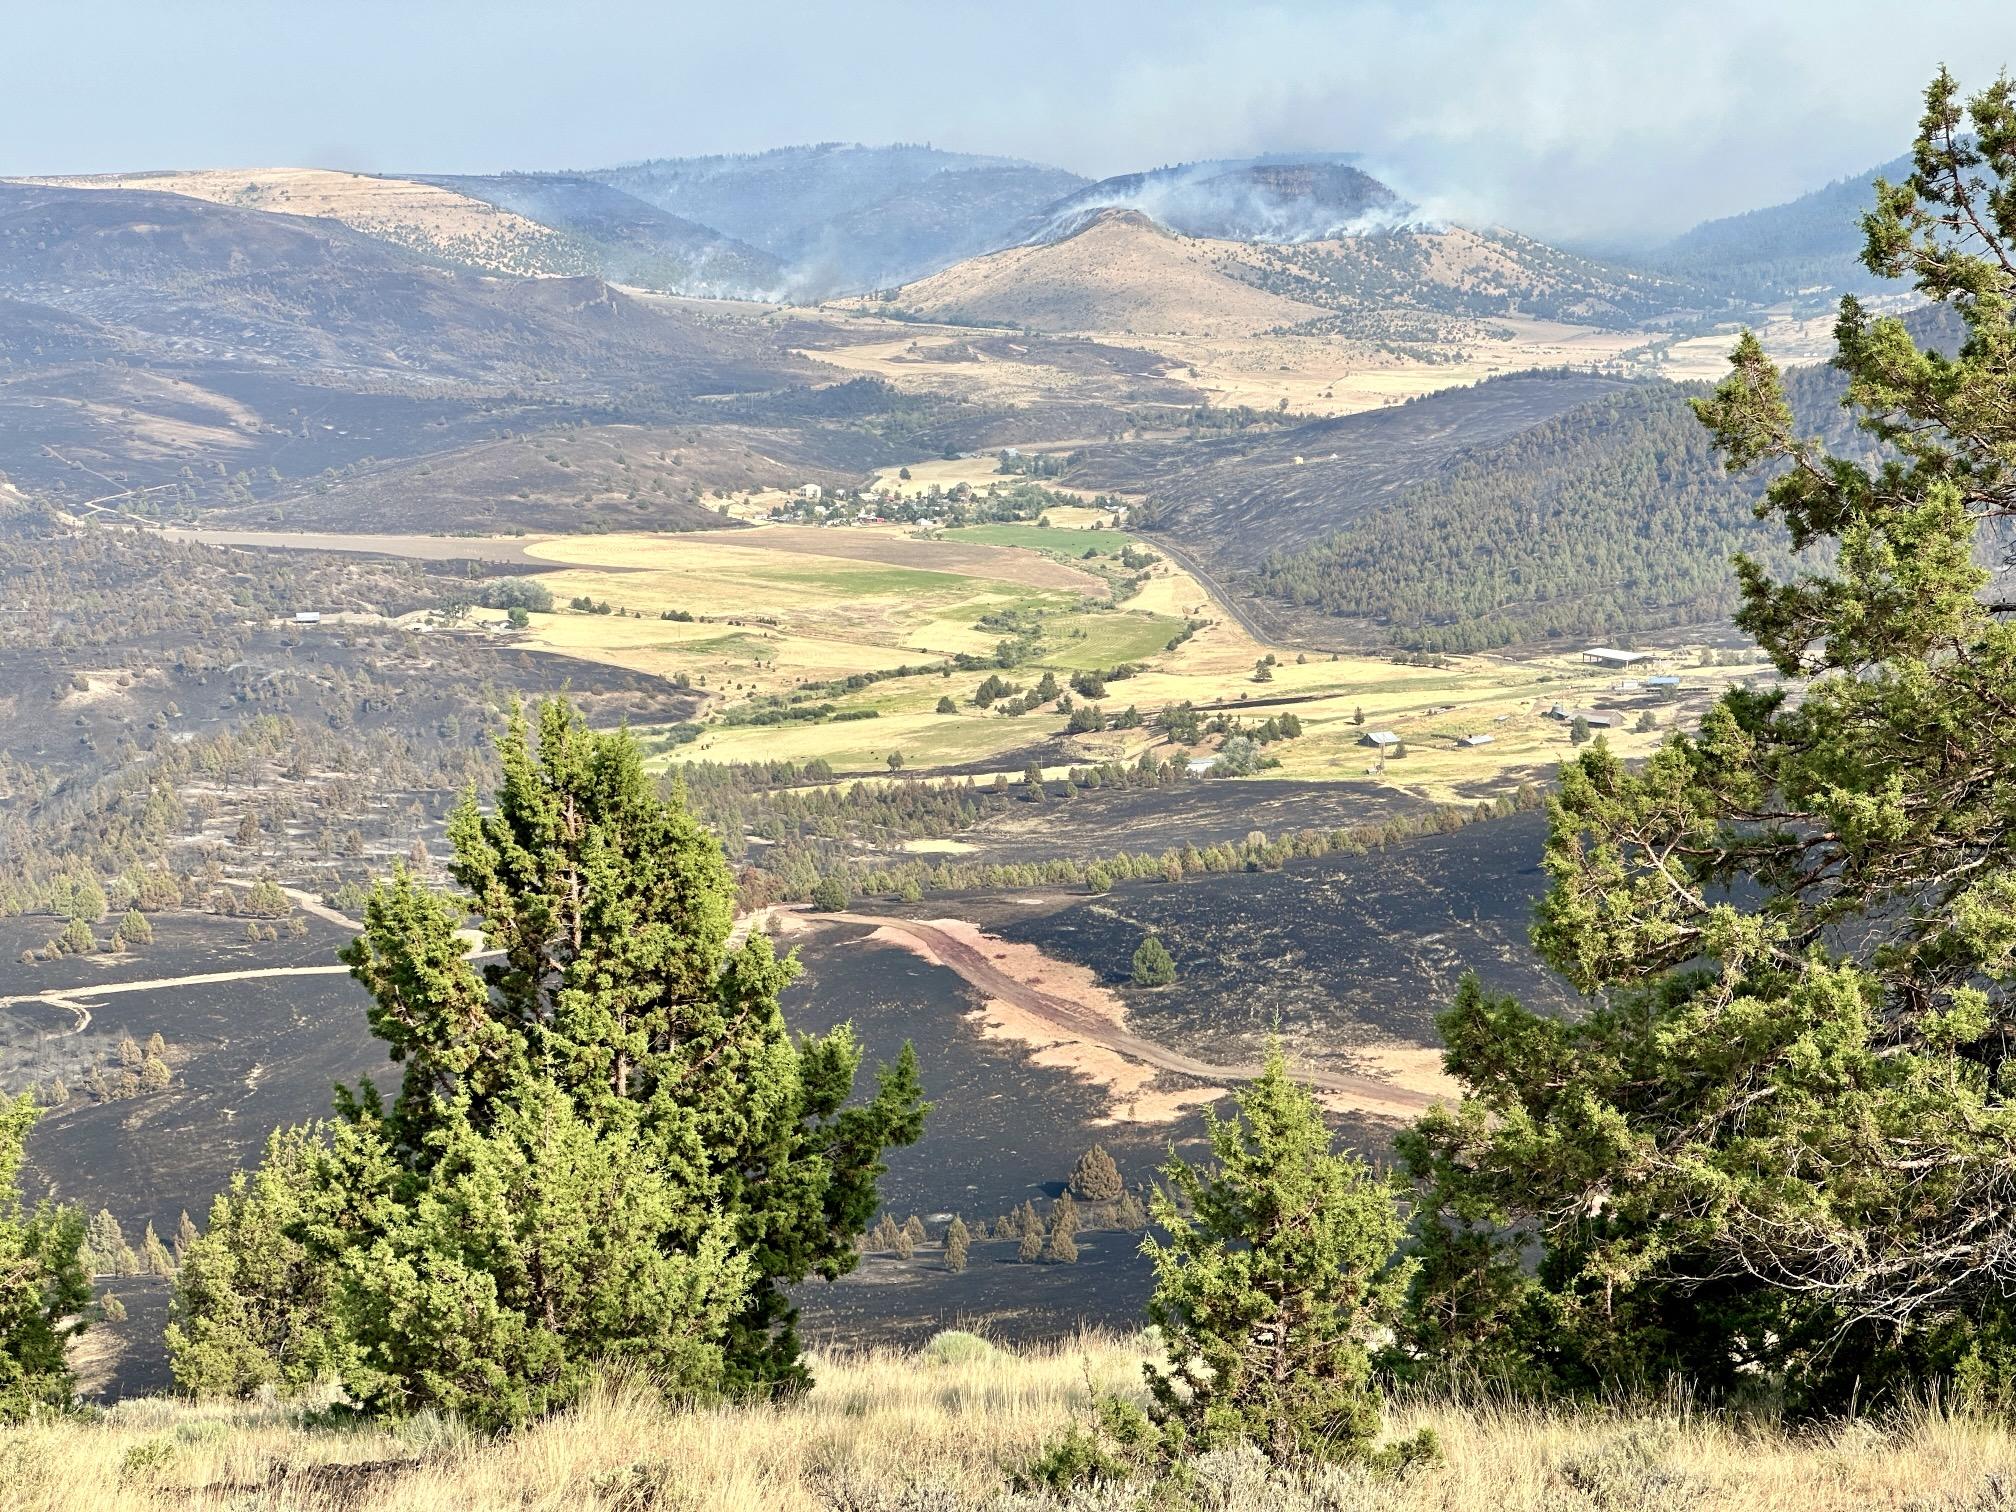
(607, 1144)
(1276, 1277)
(154, 1256)
(1030, 1250)
(957, 1243)
(252, 1306)
(1153, 966)
(1061, 1248)
(44, 1288)
(1096, 1177)
(106, 1252)
(1778, 1146)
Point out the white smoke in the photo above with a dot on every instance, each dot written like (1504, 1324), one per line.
(1246, 201)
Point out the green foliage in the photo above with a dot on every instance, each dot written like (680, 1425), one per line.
(1096, 1177)
(1775, 1151)
(1277, 1276)
(955, 1346)
(958, 1243)
(44, 1290)
(829, 895)
(252, 1306)
(606, 1146)
(1153, 966)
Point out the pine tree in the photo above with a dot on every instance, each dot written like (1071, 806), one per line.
(1277, 1274)
(905, 1245)
(154, 1257)
(1096, 1178)
(957, 1243)
(44, 1288)
(914, 1227)
(1778, 1144)
(185, 1235)
(1061, 1248)
(1152, 964)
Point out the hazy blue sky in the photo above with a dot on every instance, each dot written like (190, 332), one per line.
(1559, 116)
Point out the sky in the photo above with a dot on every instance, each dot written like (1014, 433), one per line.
(1618, 121)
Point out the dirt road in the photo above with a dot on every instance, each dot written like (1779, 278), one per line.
(1367, 1092)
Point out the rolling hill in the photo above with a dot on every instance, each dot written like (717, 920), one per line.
(844, 218)
(626, 240)
(1118, 271)
(1810, 245)
(159, 339)
(1121, 271)
(427, 218)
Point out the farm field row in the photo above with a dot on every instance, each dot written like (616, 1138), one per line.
(781, 609)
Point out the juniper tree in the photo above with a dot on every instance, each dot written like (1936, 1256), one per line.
(1779, 1146)
(253, 1306)
(1276, 1277)
(1152, 966)
(1030, 1249)
(44, 1288)
(1096, 1178)
(957, 1244)
(606, 1144)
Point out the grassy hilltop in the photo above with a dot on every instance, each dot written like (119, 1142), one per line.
(947, 1428)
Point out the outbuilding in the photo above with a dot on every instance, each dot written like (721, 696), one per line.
(1385, 740)
(1610, 656)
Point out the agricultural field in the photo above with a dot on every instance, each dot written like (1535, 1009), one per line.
(793, 613)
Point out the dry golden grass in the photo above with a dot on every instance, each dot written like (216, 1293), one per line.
(401, 210)
(908, 1431)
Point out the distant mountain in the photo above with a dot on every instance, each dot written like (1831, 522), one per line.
(1259, 200)
(1810, 245)
(627, 240)
(1119, 271)
(845, 218)
(154, 338)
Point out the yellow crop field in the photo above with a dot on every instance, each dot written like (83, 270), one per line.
(786, 610)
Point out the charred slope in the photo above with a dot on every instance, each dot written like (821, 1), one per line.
(846, 218)
(628, 240)
(1265, 201)
(154, 339)
(1613, 518)
(1240, 498)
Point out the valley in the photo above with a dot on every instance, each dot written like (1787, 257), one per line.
(1104, 633)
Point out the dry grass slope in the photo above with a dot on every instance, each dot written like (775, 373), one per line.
(940, 1433)
(420, 217)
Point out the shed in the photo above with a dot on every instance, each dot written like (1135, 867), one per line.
(1476, 740)
(1383, 739)
(1662, 682)
(1610, 656)
(307, 617)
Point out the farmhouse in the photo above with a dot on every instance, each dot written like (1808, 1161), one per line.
(1610, 656)
(1385, 740)
(811, 491)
